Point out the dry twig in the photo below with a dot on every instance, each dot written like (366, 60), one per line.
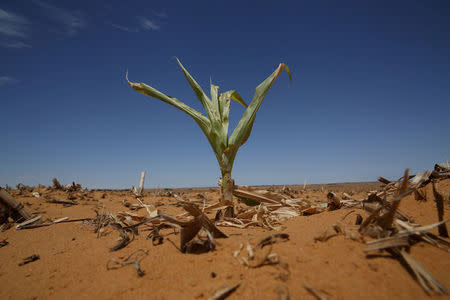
(440, 210)
(319, 294)
(127, 261)
(29, 259)
(224, 292)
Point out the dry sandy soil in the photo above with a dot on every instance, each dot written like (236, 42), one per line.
(73, 259)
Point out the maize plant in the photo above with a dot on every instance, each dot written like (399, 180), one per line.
(215, 124)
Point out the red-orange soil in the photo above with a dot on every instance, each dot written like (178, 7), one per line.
(73, 260)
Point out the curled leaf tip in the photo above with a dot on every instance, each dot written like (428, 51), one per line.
(236, 97)
(132, 84)
(129, 82)
(288, 71)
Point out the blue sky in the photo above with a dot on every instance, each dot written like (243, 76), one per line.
(370, 94)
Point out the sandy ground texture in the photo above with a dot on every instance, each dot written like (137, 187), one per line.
(73, 259)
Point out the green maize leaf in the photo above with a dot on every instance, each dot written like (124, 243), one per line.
(224, 105)
(288, 71)
(215, 97)
(236, 97)
(224, 110)
(244, 127)
(249, 130)
(201, 120)
(215, 126)
(219, 134)
(204, 100)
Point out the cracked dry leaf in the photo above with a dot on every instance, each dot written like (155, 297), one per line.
(203, 219)
(284, 213)
(188, 232)
(189, 229)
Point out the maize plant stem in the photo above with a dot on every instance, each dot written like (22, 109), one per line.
(227, 192)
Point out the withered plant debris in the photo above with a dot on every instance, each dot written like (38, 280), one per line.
(101, 221)
(426, 280)
(407, 235)
(272, 239)
(393, 231)
(201, 196)
(6, 226)
(283, 292)
(359, 219)
(326, 235)
(24, 189)
(29, 259)
(266, 209)
(124, 237)
(4, 213)
(237, 252)
(204, 243)
(257, 255)
(420, 194)
(189, 228)
(28, 222)
(319, 294)
(71, 196)
(346, 196)
(349, 231)
(10, 207)
(74, 187)
(59, 221)
(57, 185)
(61, 201)
(440, 210)
(137, 256)
(224, 292)
(333, 201)
(154, 235)
(3, 243)
(285, 273)
(138, 192)
(132, 206)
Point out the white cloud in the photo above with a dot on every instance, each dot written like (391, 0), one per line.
(124, 28)
(144, 23)
(4, 80)
(72, 20)
(161, 15)
(148, 24)
(12, 24)
(15, 44)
